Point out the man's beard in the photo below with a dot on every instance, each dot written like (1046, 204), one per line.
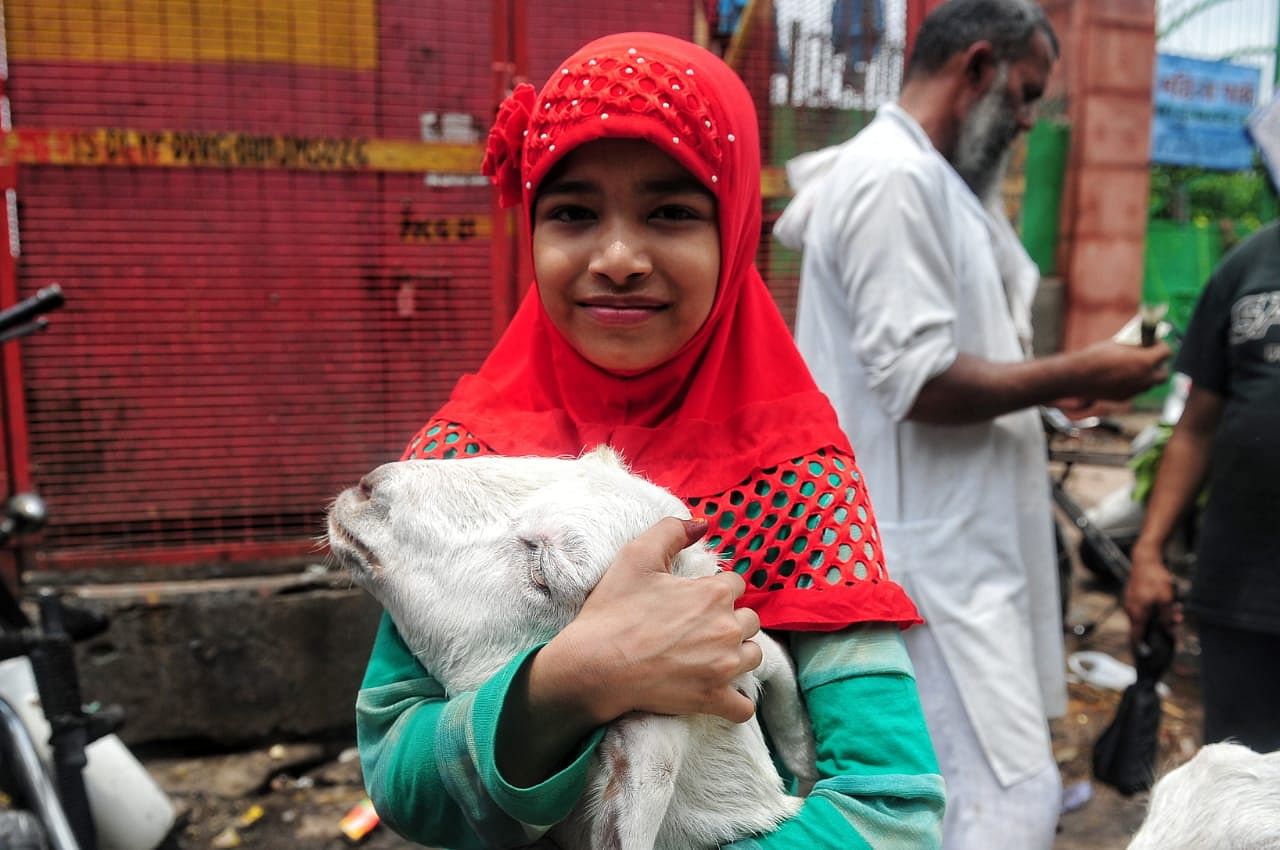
(982, 143)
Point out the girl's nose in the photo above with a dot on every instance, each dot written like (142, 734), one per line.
(621, 256)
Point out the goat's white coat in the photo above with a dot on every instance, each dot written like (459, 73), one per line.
(1225, 798)
(479, 559)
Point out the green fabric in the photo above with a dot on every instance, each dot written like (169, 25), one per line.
(883, 788)
(551, 800)
(429, 762)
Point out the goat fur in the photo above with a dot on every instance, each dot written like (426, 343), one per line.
(1227, 797)
(479, 559)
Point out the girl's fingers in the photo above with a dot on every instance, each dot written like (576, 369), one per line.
(657, 547)
(737, 586)
(751, 655)
(735, 706)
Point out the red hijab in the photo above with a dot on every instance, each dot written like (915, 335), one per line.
(737, 397)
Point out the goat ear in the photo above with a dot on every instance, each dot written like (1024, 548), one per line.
(544, 558)
(606, 456)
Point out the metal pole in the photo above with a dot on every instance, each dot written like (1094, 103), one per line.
(501, 249)
(29, 771)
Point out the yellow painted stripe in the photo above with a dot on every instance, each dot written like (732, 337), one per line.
(322, 33)
(177, 149)
(773, 182)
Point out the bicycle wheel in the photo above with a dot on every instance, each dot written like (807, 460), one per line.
(1065, 568)
(22, 830)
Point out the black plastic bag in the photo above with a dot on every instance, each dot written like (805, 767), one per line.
(1124, 755)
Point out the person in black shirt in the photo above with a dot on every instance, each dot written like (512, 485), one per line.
(1229, 435)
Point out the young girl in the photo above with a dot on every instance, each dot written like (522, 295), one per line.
(649, 329)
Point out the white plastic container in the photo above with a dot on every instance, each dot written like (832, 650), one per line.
(130, 811)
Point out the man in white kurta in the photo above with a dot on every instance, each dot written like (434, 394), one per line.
(914, 316)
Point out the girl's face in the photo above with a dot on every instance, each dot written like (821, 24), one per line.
(626, 250)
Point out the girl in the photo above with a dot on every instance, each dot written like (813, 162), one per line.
(649, 328)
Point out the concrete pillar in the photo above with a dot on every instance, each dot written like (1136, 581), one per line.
(1106, 74)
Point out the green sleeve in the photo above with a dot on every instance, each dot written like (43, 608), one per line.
(879, 784)
(428, 759)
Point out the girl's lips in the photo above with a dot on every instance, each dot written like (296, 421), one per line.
(621, 314)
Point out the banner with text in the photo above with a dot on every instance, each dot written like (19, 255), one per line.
(1200, 113)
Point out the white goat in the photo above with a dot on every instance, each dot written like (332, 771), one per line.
(480, 558)
(1225, 798)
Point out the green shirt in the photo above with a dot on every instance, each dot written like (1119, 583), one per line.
(429, 762)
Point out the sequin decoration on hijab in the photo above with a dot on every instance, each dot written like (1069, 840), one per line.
(732, 410)
(737, 396)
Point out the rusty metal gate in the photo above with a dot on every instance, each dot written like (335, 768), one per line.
(277, 250)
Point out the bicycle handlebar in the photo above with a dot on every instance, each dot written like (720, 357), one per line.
(26, 310)
(1055, 421)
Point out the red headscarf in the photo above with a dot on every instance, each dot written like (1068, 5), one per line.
(737, 396)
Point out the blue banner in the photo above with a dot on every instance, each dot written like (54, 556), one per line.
(1200, 113)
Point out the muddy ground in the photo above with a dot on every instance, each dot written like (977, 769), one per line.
(295, 795)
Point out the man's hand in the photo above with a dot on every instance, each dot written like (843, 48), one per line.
(974, 389)
(649, 641)
(1149, 592)
(1116, 372)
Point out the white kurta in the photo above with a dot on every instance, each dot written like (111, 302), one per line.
(903, 268)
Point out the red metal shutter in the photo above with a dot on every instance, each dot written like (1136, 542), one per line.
(256, 322)
(266, 291)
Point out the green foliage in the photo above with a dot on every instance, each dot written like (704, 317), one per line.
(1243, 199)
(1145, 464)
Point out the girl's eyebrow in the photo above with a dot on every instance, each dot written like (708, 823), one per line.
(660, 186)
(569, 187)
(675, 186)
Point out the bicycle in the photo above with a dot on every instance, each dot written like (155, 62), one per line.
(53, 813)
(1108, 561)
(1107, 533)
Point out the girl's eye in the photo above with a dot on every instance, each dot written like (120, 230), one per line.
(676, 212)
(570, 213)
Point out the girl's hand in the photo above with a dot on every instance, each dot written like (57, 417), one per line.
(649, 641)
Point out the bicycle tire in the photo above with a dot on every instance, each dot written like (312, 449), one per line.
(22, 830)
(1065, 570)
(1096, 562)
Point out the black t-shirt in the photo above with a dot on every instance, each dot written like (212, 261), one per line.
(1232, 348)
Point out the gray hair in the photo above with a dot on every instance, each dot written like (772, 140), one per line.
(957, 24)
